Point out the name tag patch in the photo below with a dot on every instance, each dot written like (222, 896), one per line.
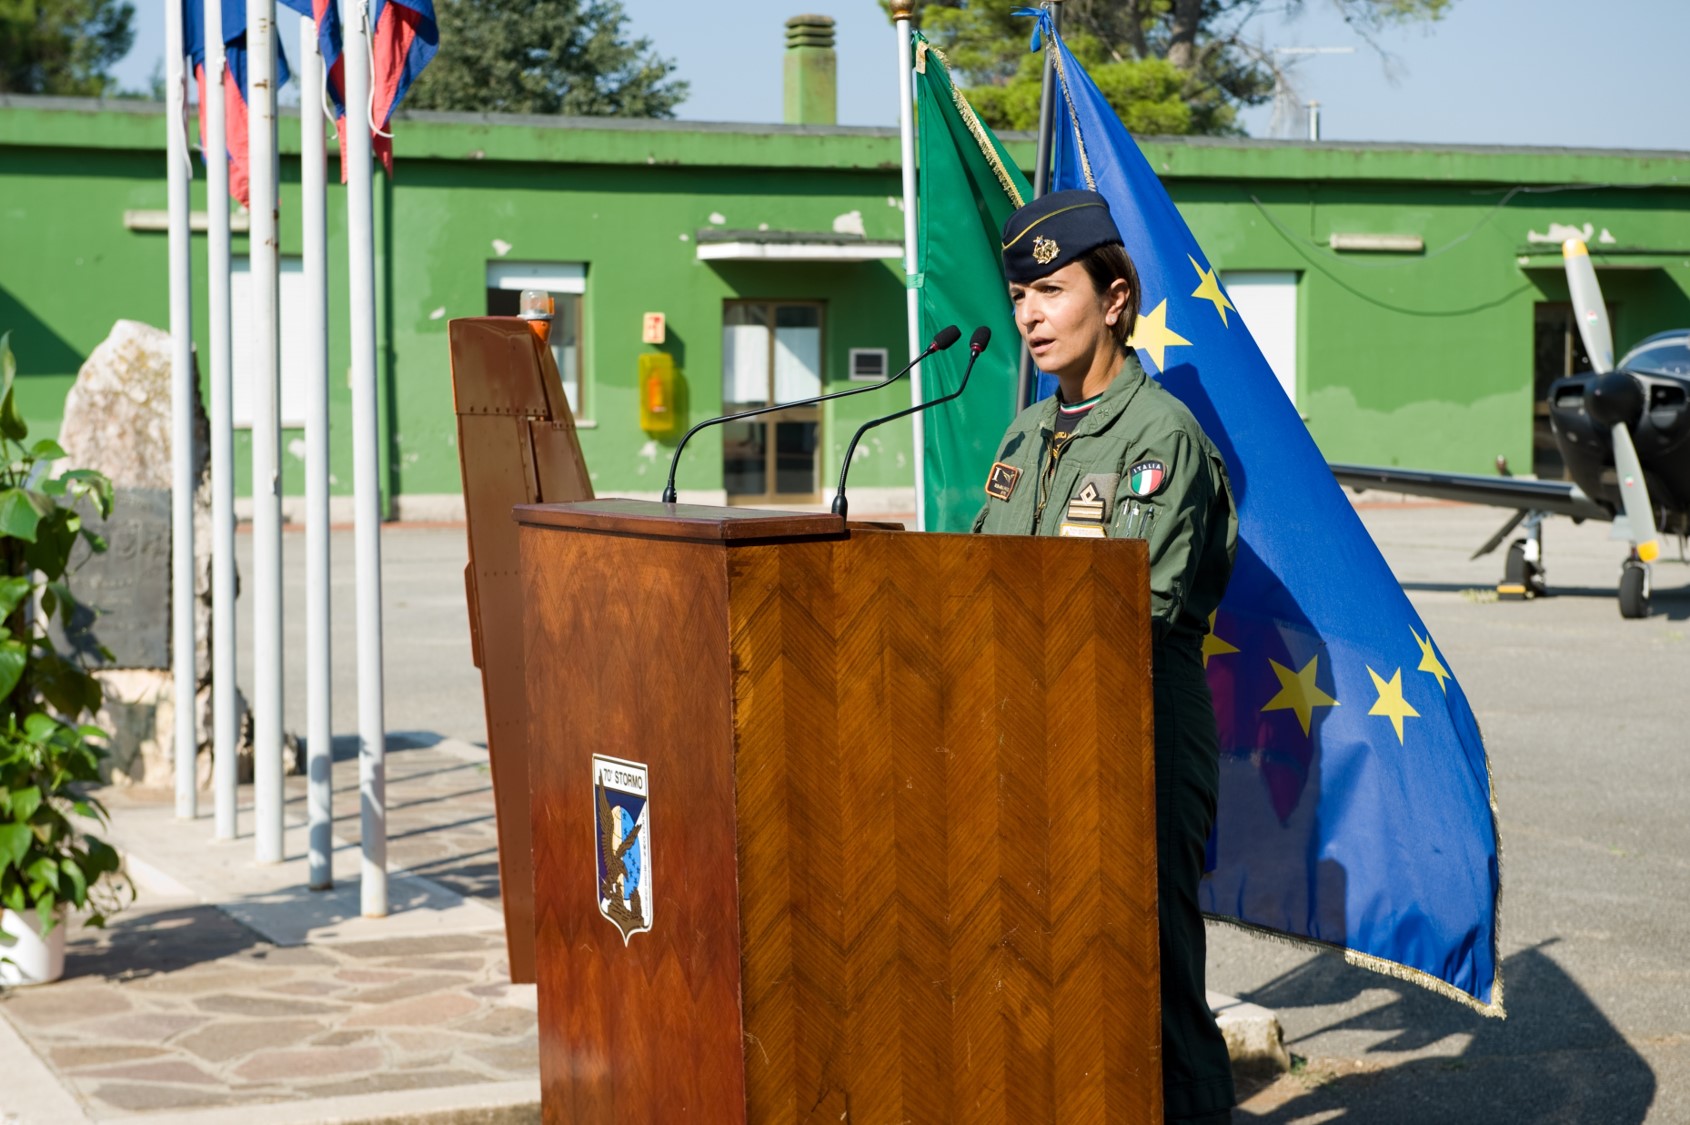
(1001, 481)
(1147, 478)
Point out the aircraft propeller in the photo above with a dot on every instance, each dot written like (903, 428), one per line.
(1614, 399)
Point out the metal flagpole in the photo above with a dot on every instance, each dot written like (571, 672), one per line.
(901, 12)
(366, 436)
(265, 372)
(182, 388)
(313, 333)
(225, 733)
(1041, 184)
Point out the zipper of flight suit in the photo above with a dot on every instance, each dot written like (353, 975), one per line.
(1053, 455)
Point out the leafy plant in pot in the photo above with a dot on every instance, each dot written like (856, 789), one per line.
(50, 861)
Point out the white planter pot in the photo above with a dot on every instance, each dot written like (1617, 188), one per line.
(25, 956)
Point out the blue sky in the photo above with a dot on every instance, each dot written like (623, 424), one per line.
(1532, 72)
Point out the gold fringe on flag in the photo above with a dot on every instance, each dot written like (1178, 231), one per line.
(977, 130)
(1061, 71)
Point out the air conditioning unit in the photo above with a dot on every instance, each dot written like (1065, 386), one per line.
(869, 364)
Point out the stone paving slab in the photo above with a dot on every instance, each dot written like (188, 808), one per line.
(180, 1007)
(229, 993)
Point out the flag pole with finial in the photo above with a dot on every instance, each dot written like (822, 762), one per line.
(1041, 184)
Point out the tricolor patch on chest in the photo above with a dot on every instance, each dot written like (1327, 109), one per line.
(1147, 478)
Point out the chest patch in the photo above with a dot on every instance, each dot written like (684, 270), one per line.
(1001, 481)
(1147, 478)
(1091, 501)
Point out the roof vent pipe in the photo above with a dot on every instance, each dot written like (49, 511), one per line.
(812, 72)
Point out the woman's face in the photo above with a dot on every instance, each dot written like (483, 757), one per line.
(1065, 321)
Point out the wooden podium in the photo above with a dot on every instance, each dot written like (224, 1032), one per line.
(886, 800)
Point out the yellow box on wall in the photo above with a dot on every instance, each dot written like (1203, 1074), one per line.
(659, 412)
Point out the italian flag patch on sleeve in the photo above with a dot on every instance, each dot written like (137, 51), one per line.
(1146, 478)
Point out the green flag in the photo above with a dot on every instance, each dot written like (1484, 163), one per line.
(969, 186)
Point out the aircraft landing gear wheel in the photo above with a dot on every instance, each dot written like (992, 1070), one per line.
(1521, 578)
(1634, 589)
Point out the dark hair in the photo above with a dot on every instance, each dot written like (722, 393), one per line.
(1105, 265)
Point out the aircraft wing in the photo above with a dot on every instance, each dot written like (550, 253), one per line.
(1560, 497)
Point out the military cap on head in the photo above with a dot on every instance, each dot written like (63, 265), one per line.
(1054, 230)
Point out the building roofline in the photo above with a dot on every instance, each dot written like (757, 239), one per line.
(530, 138)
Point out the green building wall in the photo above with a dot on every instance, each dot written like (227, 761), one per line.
(1421, 359)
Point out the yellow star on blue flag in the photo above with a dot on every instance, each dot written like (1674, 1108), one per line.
(1209, 288)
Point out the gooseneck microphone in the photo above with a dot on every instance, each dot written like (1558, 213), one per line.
(976, 344)
(942, 339)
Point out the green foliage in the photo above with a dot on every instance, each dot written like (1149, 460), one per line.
(568, 57)
(1149, 94)
(48, 755)
(64, 47)
(1168, 67)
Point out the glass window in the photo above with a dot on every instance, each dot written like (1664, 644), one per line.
(1661, 359)
(745, 358)
(798, 352)
(772, 353)
(567, 283)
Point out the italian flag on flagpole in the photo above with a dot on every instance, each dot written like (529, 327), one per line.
(968, 188)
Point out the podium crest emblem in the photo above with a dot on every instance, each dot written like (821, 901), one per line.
(622, 828)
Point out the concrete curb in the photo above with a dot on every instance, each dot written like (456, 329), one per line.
(1254, 1039)
(491, 1103)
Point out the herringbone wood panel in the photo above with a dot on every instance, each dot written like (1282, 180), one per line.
(903, 828)
(946, 830)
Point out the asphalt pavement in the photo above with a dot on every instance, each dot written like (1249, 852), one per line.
(1586, 718)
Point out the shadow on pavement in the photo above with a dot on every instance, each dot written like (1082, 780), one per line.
(141, 942)
(1672, 603)
(344, 747)
(1555, 1059)
(472, 880)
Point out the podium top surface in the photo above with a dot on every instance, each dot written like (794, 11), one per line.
(679, 521)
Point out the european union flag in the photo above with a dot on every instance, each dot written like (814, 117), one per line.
(1356, 808)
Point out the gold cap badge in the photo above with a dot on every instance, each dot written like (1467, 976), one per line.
(1044, 250)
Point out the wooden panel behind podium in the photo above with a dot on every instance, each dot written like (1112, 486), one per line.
(901, 819)
(517, 445)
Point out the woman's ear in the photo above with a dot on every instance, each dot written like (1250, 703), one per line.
(1115, 301)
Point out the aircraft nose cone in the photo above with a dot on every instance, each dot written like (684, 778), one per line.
(1613, 398)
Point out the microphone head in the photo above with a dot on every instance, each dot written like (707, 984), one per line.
(977, 342)
(945, 337)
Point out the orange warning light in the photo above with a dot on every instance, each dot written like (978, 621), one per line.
(537, 308)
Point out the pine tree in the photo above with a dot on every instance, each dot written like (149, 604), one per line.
(63, 47)
(569, 57)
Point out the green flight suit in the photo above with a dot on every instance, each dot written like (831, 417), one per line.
(1192, 530)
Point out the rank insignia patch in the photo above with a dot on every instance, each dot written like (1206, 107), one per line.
(1087, 504)
(1095, 498)
(1000, 482)
(622, 823)
(1146, 478)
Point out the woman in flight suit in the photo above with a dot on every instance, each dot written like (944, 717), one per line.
(1114, 455)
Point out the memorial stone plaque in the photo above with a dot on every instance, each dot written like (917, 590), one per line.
(124, 593)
